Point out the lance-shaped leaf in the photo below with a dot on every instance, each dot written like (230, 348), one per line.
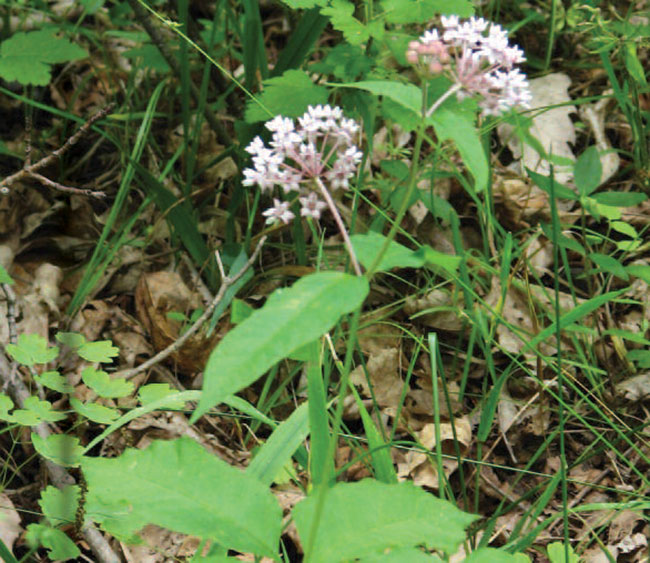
(290, 319)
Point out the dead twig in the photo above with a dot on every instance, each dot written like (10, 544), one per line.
(226, 282)
(31, 170)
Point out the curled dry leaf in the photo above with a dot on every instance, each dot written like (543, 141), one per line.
(160, 293)
(383, 369)
(41, 301)
(438, 309)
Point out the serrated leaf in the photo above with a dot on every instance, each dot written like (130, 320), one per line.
(287, 95)
(32, 349)
(341, 14)
(367, 248)
(157, 391)
(36, 410)
(55, 381)
(180, 486)
(4, 276)
(290, 318)
(364, 518)
(60, 448)
(59, 546)
(27, 56)
(422, 11)
(105, 386)
(60, 505)
(70, 339)
(101, 351)
(557, 552)
(92, 411)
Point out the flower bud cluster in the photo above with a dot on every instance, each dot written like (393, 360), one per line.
(319, 147)
(477, 56)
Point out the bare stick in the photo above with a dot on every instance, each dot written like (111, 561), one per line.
(66, 189)
(30, 170)
(226, 282)
(11, 311)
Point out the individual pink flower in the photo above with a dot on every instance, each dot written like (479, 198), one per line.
(320, 147)
(478, 58)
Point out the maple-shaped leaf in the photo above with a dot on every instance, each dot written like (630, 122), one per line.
(26, 56)
(287, 95)
(101, 351)
(341, 14)
(102, 384)
(32, 349)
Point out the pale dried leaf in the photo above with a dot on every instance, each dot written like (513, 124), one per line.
(10, 527)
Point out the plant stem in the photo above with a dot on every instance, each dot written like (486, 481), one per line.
(339, 223)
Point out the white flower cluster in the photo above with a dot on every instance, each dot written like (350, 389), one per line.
(319, 148)
(476, 55)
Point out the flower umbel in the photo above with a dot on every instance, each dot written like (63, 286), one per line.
(477, 56)
(319, 148)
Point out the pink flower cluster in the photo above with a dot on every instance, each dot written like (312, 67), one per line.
(320, 148)
(476, 55)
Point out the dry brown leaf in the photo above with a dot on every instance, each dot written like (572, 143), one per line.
(437, 309)
(10, 527)
(383, 369)
(636, 388)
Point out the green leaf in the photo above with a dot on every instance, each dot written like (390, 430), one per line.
(368, 246)
(423, 11)
(92, 411)
(304, 4)
(461, 129)
(157, 391)
(60, 448)
(102, 384)
(491, 555)
(633, 64)
(620, 199)
(102, 351)
(6, 404)
(401, 555)
(4, 276)
(408, 95)
(55, 381)
(70, 339)
(447, 262)
(36, 410)
(26, 57)
(341, 14)
(180, 486)
(280, 446)
(290, 318)
(59, 546)
(641, 271)
(557, 552)
(32, 349)
(365, 518)
(588, 171)
(609, 264)
(60, 505)
(240, 311)
(287, 95)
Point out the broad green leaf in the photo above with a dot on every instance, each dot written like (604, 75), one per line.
(280, 446)
(287, 95)
(32, 349)
(240, 311)
(26, 57)
(290, 318)
(368, 246)
(55, 381)
(59, 546)
(92, 411)
(35, 409)
(557, 553)
(101, 351)
(620, 199)
(609, 264)
(461, 129)
(423, 11)
(6, 404)
(402, 555)
(545, 182)
(60, 505)
(70, 339)
(365, 518)
(105, 386)
(641, 271)
(491, 555)
(588, 171)
(4, 276)
(304, 4)
(178, 485)
(59, 448)
(408, 95)
(154, 392)
(624, 228)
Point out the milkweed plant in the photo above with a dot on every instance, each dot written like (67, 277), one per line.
(318, 155)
